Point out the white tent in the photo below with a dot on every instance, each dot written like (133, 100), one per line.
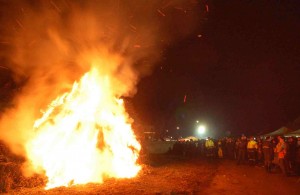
(293, 133)
(280, 131)
(193, 138)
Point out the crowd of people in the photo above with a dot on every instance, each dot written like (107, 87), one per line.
(273, 153)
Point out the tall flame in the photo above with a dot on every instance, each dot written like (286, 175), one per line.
(85, 135)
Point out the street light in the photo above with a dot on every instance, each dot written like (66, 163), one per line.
(201, 129)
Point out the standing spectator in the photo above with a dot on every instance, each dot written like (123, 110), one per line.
(230, 148)
(280, 150)
(242, 148)
(209, 146)
(267, 151)
(252, 150)
(259, 152)
(236, 148)
(220, 150)
(202, 147)
(291, 154)
(298, 157)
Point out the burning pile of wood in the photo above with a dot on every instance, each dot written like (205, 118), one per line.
(10, 172)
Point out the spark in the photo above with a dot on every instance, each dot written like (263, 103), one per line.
(4, 67)
(181, 9)
(19, 23)
(161, 13)
(207, 9)
(133, 28)
(55, 6)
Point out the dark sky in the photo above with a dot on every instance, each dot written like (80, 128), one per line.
(241, 75)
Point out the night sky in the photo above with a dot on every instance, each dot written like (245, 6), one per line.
(239, 70)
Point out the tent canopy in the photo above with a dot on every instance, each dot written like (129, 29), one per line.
(280, 131)
(193, 138)
(293, 133)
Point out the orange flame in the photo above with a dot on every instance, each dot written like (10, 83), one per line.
(85, 135)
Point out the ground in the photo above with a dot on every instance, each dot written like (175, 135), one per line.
(165, 174)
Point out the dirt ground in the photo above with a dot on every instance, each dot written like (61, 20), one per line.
(163, 174)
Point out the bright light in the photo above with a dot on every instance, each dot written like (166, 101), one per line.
(201, 129)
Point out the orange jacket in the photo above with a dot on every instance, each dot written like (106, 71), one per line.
(281, 149)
